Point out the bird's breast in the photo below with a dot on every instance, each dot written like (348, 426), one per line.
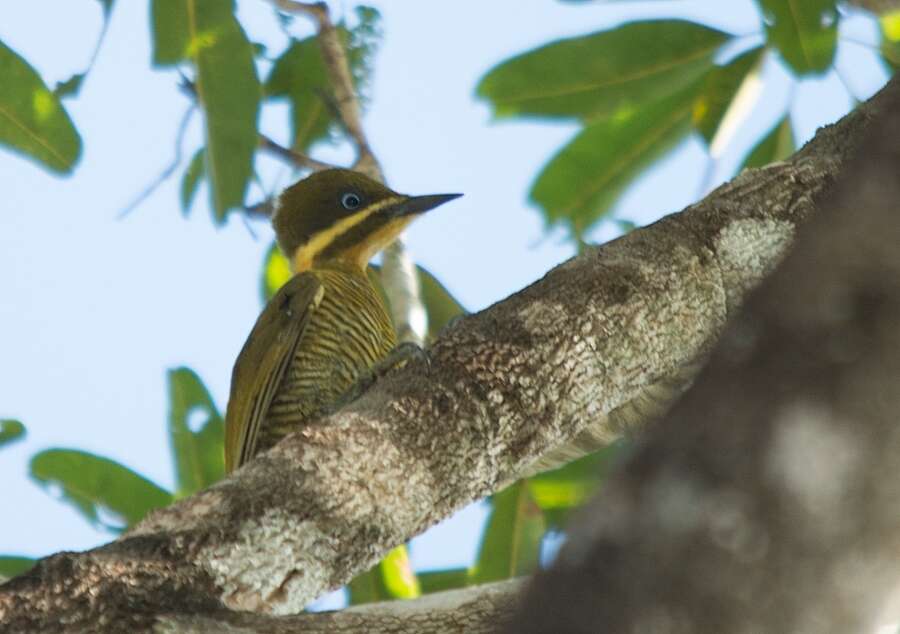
(346, 335)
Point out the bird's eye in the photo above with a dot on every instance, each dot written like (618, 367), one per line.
(350, 200)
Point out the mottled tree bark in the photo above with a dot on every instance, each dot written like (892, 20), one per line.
(768, 500)
(503, 387)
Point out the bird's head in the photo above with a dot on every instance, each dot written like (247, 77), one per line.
(339, 215)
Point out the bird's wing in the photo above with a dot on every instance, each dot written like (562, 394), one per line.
(263, 361)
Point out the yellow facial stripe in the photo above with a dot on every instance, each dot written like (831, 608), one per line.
(306, 253)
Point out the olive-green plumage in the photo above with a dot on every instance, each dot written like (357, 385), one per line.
(328, 325)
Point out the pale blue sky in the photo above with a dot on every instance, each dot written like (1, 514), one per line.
(93, 309)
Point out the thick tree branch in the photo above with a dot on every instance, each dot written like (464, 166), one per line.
(768, 500)
(504, 386)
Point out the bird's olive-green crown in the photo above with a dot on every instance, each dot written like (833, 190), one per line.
(340, 211)
(319, 201)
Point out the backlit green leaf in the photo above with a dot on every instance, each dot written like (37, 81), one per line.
(777, 145)
(191, 180)
(890, 38)
(511, 544)
(196, 432)
(12, 566)
(276, 272)
(719, 90)
(580, 184)
(93, 485)
(10, 431)
(596, 75)
(206, 33)
(803, 31)
(32, 120)
(393, 578)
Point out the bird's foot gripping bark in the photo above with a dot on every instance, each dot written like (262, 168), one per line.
(396, 359)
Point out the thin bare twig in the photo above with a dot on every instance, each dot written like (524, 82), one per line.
(297, 159)
(169, 169)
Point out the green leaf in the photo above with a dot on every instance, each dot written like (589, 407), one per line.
(561, 491)
(511, 544)
(226, 85)
(92, 483)
(441, 580)
(198, 453)
(440, 305)
(10, 431)
(12, 566)
(580, 184)
(276, 272)
(393, 578)
(596, 75)
(720, 89)
(890, 38)
(777, 145)
(171, 30)
(32, 119)
(300, 75)
(803, 31)
(191, 180)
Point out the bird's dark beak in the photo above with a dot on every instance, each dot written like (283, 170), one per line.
(419, 204)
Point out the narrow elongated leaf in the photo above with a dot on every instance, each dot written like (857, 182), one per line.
(511, 543)
(10, 431)
(441, 580)
(598, 74)
(803, 31)
(196, 433)
(93, 484)
(191, 180)
(584, 179)
(440, 305)
(399, 579)
(777, 145)
(393, 578)
(719, 90)
(170, 21)
(12, 566)
(890, 38)
(206, 33)
(32, 120)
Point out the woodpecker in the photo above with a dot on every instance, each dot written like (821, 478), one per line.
(328, 325)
